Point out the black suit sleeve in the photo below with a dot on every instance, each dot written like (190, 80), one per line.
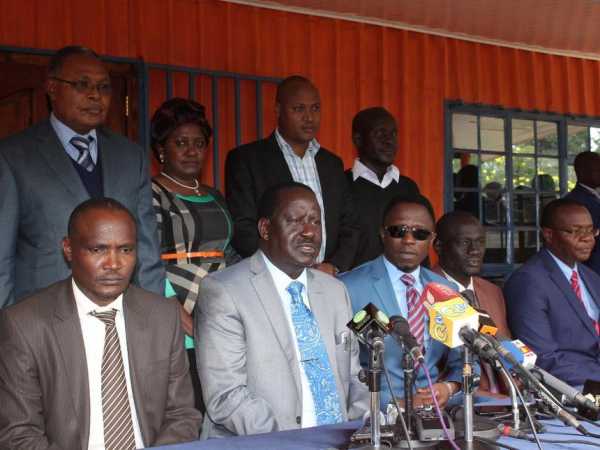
(241, 200)
(342, 256)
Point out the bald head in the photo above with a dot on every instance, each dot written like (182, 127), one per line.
(291, 85)
(587, 168)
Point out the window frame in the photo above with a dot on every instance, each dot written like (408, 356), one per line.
(499, 270)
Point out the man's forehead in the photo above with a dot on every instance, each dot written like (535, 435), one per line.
(83, 65)
(573, 215)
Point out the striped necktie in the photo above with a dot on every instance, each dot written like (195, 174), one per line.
(314, 359)
(83, 145)
(577, 289)
(416, 308)
(116, 413)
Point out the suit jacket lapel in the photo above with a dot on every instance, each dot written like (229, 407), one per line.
(269, 298)
(52, 151)
(110, 164)
(561, 282)
(68, 332)
(138, 352)
(383, 288)
(275, 161)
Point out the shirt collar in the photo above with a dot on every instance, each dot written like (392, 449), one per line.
(394, 273)
(564, 267)
(280, 278)
(590, 189)
(360, 170)
(457, 283)
(65, 133)
(85, 306)
(313, 145)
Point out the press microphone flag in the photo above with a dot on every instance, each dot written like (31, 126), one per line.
(448, 314)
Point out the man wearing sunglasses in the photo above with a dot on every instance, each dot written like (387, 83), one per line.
(394, 282)
(553, 301)
(51, 167)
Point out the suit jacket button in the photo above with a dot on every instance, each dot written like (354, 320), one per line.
(298, 420)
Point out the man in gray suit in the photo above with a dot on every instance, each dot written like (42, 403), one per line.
(91, 362)
(51, 167)
(276, 353)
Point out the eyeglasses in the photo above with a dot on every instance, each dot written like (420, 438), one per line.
(581, 233)
(399, 231)
(87, 87)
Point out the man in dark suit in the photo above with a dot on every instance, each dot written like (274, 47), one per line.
(51, 167)
(293, 153)
(553, 300)
(460, 245)
(394, 283)
(91, 361)
(374, 179)
(587, 169)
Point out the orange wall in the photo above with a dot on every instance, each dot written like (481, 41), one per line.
(354, 65)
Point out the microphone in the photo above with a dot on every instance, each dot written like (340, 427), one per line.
(519, 354)
(400, 331)
(370, 326)
(448, 314)
(569, 393)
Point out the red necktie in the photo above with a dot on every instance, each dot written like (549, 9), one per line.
(416, 309)
(577, 290)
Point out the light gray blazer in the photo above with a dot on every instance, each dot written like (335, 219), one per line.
(247, 363)
(39, 188)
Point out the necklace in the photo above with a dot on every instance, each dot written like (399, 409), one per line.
(195, 188)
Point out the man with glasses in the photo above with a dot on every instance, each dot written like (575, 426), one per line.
(51, 167)
(393, 282)
(553, 301)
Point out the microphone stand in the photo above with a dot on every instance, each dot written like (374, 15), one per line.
(468, 396)
(408, 367)
(513, 397)
(374, 382)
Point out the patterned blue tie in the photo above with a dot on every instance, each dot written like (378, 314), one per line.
(314, 359)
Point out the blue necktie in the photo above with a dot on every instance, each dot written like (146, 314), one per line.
(315, 362)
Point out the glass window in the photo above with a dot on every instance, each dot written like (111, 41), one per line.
(507, 184)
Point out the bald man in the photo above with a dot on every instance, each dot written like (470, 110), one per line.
(586, 192)
(292, 153)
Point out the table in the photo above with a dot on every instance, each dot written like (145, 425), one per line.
(334, 437)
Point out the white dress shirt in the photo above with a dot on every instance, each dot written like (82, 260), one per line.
(94, 331)
(282, 281)
(304, 170)
(359, 170)
(461, 288)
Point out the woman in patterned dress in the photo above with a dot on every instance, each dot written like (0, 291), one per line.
(193, 222)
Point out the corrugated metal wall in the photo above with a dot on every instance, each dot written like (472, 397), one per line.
(354, 65)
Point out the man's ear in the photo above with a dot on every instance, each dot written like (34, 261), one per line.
(51, 88)
(547, 235)
(437, 245)
(264, 227)
(277, 110)
(67, 250)
(357, 139)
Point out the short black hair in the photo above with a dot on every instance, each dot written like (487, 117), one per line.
(59, 58)
(364, 120)
(103, 203)
(171, 115)
(450, 221)
(551, 210)
(290, 83)
(417, 199)
(270, 199)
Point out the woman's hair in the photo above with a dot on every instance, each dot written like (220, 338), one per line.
(171, 115)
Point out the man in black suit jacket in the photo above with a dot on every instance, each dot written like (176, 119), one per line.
(374, 179)
(587, 169)
(292, 153)
(51, 167)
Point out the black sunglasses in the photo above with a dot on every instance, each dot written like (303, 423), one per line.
(399, 231)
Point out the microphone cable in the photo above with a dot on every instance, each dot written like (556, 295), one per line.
(437, 408)
(395, 400)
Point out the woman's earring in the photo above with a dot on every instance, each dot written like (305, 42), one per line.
(161, 158)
